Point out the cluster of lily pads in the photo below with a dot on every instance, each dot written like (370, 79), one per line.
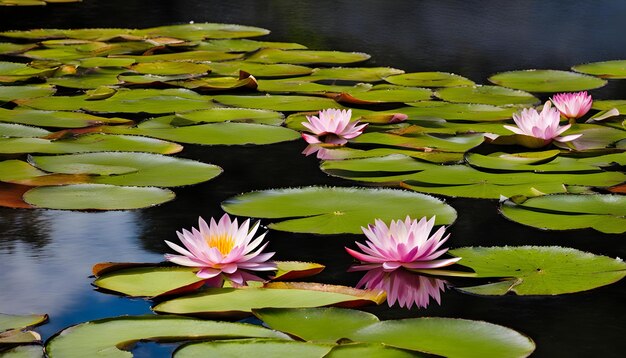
(89, 116)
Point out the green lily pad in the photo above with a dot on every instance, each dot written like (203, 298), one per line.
(602, 212)
(124, 168)
(432, 157)
(201, 31)
(493, 95)
(388, 93)
(546, 81)
(301, 57)
(126, 101)
(19, 172)
(254, 348)
(240, 302)
(16, 336)
(605, 69)
(215, 133)
(94, 78)
(20, 131)
(150, 281)
(605, 104)
(278, 103)
(429, 79)
(215, 115)
(594, 137)
(8, 48)
(245, 45)
(24, 351)
(295, 85)
(233, 68)
(9, 321)
(425, 142)
(92, 62)
(333, 210)
(56, 118)
(508, 162)
(328, 324)
(95, 142)
(96, 197)
(448, 337)
(388, 165)
(110, 335)
(171, 68)
(13, 72)
(10, 93)
(539, 270)
(189, 56)
(371, 350)
(359, 74)
(460, 111)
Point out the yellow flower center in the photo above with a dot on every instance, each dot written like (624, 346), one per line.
(223, 243)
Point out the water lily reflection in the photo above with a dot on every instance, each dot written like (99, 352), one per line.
(332, 127)
(402, 286)
(223, 249)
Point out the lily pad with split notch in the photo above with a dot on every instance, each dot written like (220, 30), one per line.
(335, 210)
(603, 212)
(538, 270)
(546, 81)
(96, 197)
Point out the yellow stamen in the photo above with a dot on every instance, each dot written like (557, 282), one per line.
(223, 243)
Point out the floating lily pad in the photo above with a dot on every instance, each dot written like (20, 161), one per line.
(253, 347)
(216, 83)
(371, 350)
(460, 111)
(13, 72)
(493, 95)
(600, 104)
(360, 74)
(299, 86)
(189, 56)
(433, 157)
(546, 81)
(278, 103)
(387, 93)
(95, 142)
(429, 79)
(605, 69)
(94, 78)
(96, 197)
(300, 57)
(215, 115)
(201, 31)
(24, 351)
(245, 45)
(19, 172)
(215, 133)
(105, 62)
(544, 162)
(10, 93)
(171, 68)
(605, 213)
(448, 337)
(20, 131)
(239, 302)
(316, 324)
(17, 336)
(233, 68)
(137, 169)
(56, 118)
(111, 335)
(333, 210)
(594, 137)
(539, 270)
(8, 321)
(7, 48)
(425, 142)
(389, 165)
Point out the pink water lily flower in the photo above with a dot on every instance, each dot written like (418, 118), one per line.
(403, 244)
(223, 248)
(332, 126)
(402, 286)
(572, 105)
(542, 125)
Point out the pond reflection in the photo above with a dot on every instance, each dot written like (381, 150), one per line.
(405, 287)
(49, 255)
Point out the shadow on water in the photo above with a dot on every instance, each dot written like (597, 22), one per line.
(46, 256)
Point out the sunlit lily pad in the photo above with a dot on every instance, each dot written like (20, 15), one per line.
(391, 164)
(8, 321)
(328, 324)
(425, 142)
(91, 62)
(171, 68)
(96, 197)
(546, 81)
(13, 72)
(299, 86)
(94, 78)
(278, 103)
(215, 115)
(245, 45)
(448, 337)
(594, 137)
(7, 48)
(539, 270)
(112, 335)
(137, 169)
(189, 56)
(253, 347)
(17, 336)
(200, 31)
(548, 163)
(371, 350)
(21, 131)
(56, 118)
(333, 210)
(493, 95)
(360, 74)
(429, 79)
(19, 172)
(215, 133)
(87, 143)
(604, 69)
(461, 111)
(387, 93)
(240, 302)
(232, 68)
(605, 213)
(24, 351)
(433, 157)
(300, 57)
(10, 93)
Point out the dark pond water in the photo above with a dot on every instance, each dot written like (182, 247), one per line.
(46, 255)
